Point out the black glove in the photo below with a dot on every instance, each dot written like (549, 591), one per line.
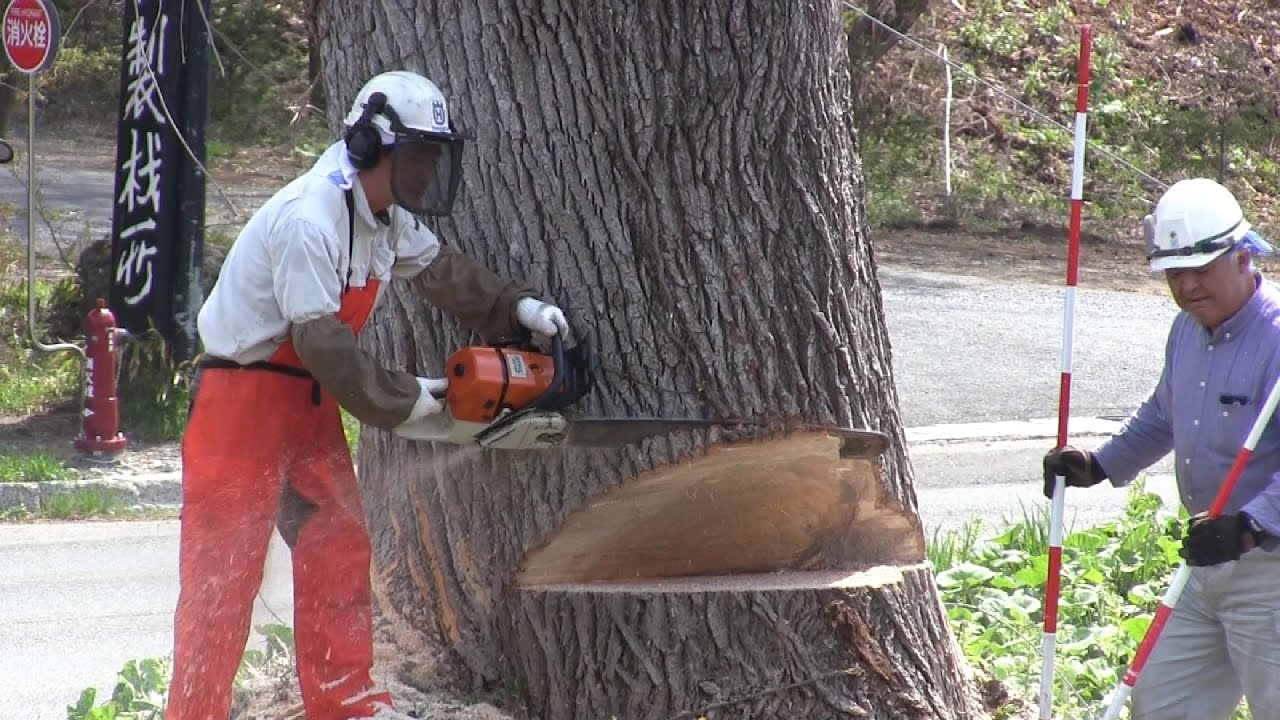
(1210, 541)
(1076, 466)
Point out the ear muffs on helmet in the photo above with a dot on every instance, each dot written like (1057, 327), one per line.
(364, 143)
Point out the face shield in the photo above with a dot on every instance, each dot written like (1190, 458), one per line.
(426, 173)
(426, 168)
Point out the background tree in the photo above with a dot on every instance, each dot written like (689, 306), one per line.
(683, 178)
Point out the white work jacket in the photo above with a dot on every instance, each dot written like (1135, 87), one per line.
(290, 262)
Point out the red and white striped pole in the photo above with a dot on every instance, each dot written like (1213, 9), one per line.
(1058, 505)
(1170, 598)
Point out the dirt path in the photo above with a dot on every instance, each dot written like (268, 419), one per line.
(1017, 257)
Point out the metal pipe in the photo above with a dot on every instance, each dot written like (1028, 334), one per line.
(31, 228)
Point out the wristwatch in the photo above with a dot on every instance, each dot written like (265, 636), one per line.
(1255, 528)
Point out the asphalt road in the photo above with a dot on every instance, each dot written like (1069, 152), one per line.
(967, 350)
(79, 600)
(970, 355)
(75, 189)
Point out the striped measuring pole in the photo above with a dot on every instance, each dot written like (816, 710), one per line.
(1058, 505)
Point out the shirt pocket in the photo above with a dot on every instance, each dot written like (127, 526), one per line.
(1233, 411)
(384, 256)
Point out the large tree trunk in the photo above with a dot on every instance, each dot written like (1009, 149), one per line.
(683, 179)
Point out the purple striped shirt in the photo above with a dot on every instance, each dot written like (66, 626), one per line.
(1208, 396)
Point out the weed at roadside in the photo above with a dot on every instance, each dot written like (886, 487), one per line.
(38, 466)
(80, 504)
(351, 430)
(1112, 578)
(142, 686)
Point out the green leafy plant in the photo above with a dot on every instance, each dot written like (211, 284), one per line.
(1112, 578)
(142, 688)
(351, 430)
(139, 694)
(993, 30)
(275, 658)
(154, 393)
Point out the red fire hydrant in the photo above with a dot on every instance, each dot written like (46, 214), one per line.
(100, 429)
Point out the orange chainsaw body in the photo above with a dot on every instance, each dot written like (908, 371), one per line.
(485, 380)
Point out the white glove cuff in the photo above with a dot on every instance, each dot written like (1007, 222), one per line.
(426, 402)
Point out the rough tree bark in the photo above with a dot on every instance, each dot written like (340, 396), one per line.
(683, 178)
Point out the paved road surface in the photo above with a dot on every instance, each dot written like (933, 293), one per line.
(78, 600)
(967, 350)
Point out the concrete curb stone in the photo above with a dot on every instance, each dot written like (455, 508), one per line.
(148, 490)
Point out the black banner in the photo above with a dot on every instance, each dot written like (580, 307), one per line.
(157, 224)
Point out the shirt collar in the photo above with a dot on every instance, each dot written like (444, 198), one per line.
(337, 168)
(1236, 324)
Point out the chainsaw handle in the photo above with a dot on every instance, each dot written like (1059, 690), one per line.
(559, 376)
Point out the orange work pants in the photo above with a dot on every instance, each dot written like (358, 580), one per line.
(259, 451)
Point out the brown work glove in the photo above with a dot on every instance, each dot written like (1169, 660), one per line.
(1077, 467)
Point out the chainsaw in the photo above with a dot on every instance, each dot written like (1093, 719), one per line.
(512, 396)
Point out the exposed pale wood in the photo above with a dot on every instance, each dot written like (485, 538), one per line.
(791, 503)
(873, 577)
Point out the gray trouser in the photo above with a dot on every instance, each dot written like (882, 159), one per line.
(1222, 641)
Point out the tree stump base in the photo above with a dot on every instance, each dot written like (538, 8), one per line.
(809, 645)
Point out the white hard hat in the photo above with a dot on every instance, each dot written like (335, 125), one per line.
(405, 116)
(1195, 221)
(417, 103)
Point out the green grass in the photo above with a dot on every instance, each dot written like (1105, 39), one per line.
(30, 379)
(1112, 578)
(159, 414)
(948, 549)
(38, 466)
(351, 429)
(30, 386)
(154, 394)
(80, 504)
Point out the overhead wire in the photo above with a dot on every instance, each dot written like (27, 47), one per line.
(1031, 110)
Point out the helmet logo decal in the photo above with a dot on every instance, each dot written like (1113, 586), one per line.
(438, 114)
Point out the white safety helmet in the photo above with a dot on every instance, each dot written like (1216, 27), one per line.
(407, 115)
(1195, 221)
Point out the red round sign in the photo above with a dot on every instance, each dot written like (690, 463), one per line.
(31, 34)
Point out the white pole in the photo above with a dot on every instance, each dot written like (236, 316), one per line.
(31, 227)
(946, 125)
